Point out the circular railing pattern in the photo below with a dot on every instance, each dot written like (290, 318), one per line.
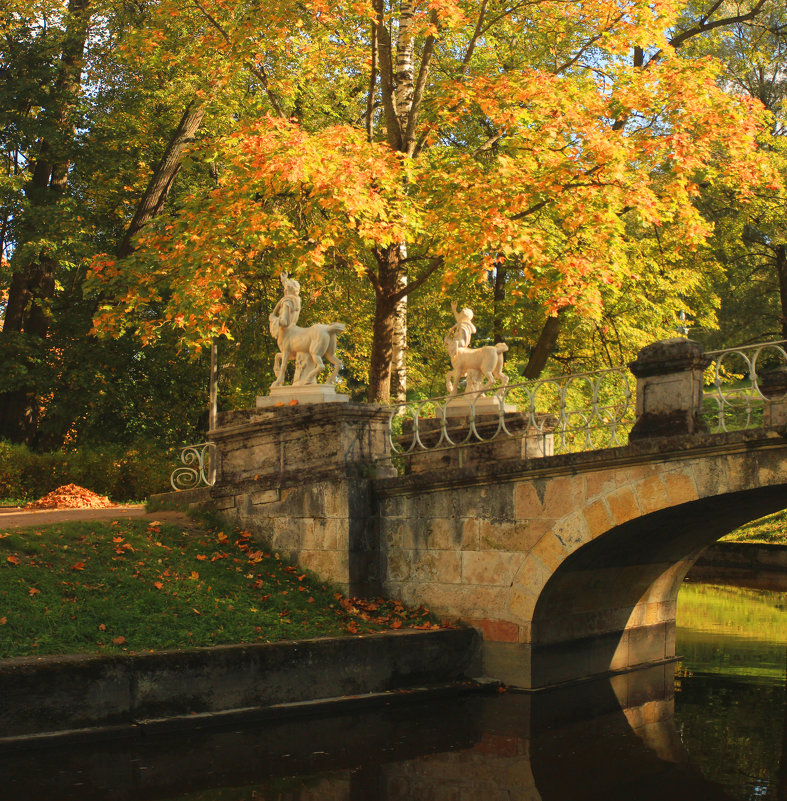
(199, 467)
(578, 412)
(738, 384)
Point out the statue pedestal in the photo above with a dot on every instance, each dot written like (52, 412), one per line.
(301, 394)
(466, 406)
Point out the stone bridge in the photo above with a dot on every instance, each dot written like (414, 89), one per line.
(570, 565)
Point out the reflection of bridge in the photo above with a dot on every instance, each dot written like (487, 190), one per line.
(614, 740)
(570, 565)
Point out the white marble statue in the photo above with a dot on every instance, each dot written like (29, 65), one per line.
(307, 346)
(481, 367)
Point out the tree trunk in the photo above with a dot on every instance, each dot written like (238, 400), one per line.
(152, 201)
(389, 279)
(543, 347)
(399, 350)
(498, 297)
(781, 272)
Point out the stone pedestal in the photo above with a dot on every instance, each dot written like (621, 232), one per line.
(669, 388)
(301, 395)
(298, 478)
(464, 406)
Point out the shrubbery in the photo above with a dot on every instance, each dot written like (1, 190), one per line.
(124, 473)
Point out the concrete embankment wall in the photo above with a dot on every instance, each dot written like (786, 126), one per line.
(47, 697)
(745, 555)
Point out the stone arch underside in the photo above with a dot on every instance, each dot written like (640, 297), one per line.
(611, 604)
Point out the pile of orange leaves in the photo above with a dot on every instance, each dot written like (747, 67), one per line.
(71, 496)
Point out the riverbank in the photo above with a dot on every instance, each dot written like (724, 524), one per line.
(744, 563)
(58, 699)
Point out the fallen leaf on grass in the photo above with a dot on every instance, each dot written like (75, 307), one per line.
(14, 559)
(33, 591)
(78, 566)
(102, 627)
(3, 621)
(119, 640)
(158, 584)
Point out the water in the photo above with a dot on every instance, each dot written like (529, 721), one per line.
(715, 729)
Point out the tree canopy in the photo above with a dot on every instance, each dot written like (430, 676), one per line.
(580, 172)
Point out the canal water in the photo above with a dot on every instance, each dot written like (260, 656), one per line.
(712, 726)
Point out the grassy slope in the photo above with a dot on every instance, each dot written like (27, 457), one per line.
(93, 587)
(771, 530)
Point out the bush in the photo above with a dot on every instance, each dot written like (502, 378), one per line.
(122, 473)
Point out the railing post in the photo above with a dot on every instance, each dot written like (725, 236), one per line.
(773, 386)
(669, 388)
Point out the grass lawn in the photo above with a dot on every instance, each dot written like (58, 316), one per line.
(134, 585)
(769, 530)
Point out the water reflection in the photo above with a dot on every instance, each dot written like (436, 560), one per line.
(617, 739)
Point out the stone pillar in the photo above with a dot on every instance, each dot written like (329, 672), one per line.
(773, 385)
(299, 478)
(669, 389)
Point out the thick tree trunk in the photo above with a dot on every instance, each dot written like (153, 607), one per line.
(389, 276)
(544, 347)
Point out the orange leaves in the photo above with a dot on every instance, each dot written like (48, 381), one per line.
(13, 560)
(78, 566)
(33, 592)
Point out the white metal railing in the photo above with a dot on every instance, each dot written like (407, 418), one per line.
(199, 467)
(582, 411)
(733, 397)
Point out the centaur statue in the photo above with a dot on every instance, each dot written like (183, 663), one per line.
(307, 346)
(481, 366)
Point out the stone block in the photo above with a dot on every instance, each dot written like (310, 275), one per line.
(550, 550)
(442, 566)
(562, 493)
(623, 505)
(516, 536)
(398, 565)
(572, 530)
(528, 500)
(328, 565)
(490, 567)
(680, 486)
(598, 518)
(265, 496)
(651, 494)
(496, 630)
(533, 575)
(599, 482)
(522, 602)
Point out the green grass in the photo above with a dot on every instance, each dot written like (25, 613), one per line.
(93, 587)
(769, 530)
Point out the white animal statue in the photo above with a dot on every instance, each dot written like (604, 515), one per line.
(307, 346)
(481, 367)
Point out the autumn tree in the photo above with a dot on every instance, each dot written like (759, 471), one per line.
(419, 141)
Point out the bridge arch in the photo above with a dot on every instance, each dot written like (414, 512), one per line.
(571, 565)
(611, 603)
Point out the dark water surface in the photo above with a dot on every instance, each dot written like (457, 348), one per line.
(712, 729)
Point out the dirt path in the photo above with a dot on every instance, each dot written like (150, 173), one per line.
(17, 517)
